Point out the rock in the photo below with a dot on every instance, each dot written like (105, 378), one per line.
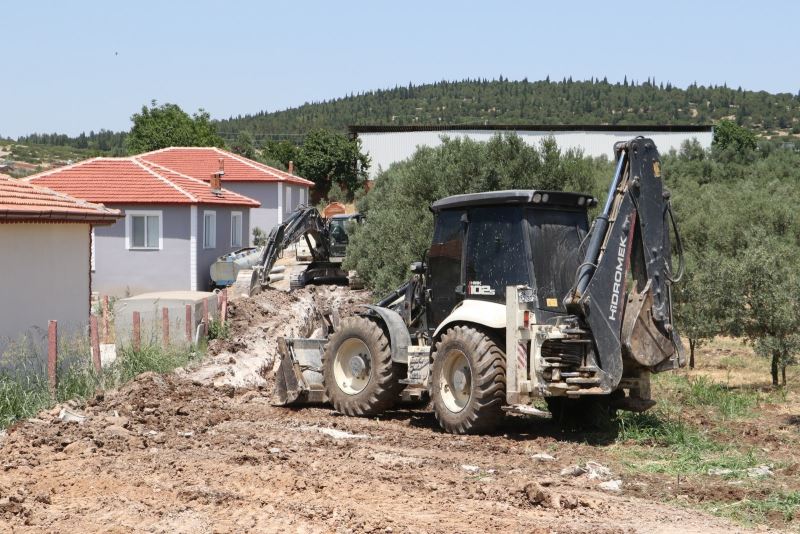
(274, 450)
(537, 494)
(596, 470)
(118, 420)
(542, 457)
(569, 502)
(470, 468)
(573, 471)
(117, 431)
(611, 485)
(720, 472)
(69, 416)
(10, 506)
(182, 410)
(75, 447)
(760, 471)
(43, 498)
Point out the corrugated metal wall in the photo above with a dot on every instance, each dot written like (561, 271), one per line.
(386, 148)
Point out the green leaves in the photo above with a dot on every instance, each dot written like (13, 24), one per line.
(168, 125)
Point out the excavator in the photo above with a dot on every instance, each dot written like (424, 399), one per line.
(518, 299)
(250, 270)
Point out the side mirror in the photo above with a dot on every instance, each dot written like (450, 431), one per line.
(417, 267)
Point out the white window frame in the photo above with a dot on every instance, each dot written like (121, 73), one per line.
(130, 214)
(213, 242)
(92, 257)
(234, 215)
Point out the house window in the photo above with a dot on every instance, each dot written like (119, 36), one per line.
(209, 229)
(236, 229)
(289, 199)
(143, 230)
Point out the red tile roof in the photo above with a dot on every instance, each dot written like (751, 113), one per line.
(202, 162)
(23, 201)
(133, 181)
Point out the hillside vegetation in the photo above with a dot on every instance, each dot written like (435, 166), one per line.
(522, 102)
(499, 101)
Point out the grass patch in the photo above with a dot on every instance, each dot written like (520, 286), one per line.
(217, 329)
(658, 442)
(727, 403)
(24, 388)
(778, 507)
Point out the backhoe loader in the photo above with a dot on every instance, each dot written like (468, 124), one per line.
(517, 299)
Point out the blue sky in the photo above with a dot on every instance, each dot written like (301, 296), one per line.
(82, 65)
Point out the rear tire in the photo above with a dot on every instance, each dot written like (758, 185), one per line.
(296, 282)
(469, 382)
(359, 375)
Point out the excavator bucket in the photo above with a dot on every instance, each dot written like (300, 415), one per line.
(643, 340)
(299, 377)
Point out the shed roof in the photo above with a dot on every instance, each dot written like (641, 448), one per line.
(134, 181)
(202, 162)
(21, 201)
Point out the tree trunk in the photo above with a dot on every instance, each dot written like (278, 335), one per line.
(775, 358)
(691, 353)
(783, 374)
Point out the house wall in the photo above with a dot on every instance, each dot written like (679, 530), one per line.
(45, 275)
(293, 196)
(266, 216)
(207, 256)
(120, 272)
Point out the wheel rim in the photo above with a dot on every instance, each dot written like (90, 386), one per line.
(455, 382)
(351, 366)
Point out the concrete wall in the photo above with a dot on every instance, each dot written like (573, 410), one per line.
(45, 275)
(207, 256)
(386, 148)
(266, 216)
(121, 272)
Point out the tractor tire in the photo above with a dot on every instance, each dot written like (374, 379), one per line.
(359, 375)
(469, 382)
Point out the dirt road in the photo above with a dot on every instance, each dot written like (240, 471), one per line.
(204, 451)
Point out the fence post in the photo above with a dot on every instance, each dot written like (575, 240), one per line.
(189, 324)
(105, 319)
(52, 357)
(205, 316)
(95, 335)
(137, 331)
(165, 326)
(223, 313)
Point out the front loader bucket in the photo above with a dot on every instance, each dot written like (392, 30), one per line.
(299, 377)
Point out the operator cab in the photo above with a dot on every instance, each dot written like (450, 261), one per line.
(484, 242)
(340, 227)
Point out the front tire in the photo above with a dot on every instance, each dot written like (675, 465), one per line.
(359, 375)
(469, 382)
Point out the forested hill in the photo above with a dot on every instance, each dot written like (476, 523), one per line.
(522, 102)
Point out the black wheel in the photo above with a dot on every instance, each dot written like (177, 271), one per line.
(469, 382)
(359, 375)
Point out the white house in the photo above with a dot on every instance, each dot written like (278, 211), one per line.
(45, 240)
(278, 192)
(175, 225)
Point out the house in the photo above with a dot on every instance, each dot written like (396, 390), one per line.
(175, 225)
(45, 239)
(278, 192)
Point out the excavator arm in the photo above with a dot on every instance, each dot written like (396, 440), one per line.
(306, 222)
(622, 291)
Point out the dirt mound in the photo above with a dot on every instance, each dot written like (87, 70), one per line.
(246, 357)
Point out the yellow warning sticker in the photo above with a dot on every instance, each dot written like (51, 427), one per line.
(657, 169)
(552, 303)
